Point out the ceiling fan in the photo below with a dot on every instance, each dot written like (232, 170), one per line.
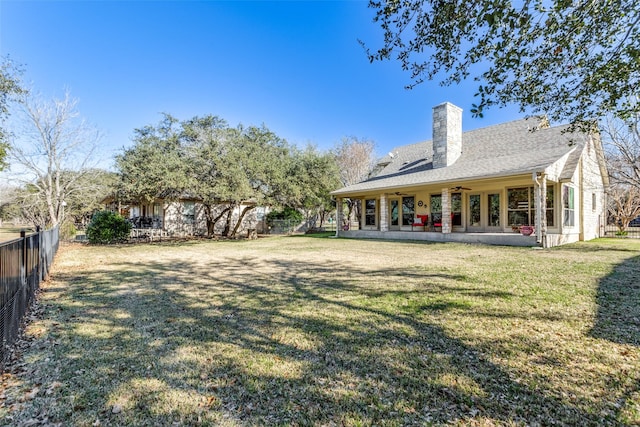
(459, 187)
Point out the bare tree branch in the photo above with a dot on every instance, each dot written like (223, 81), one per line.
(53, 149)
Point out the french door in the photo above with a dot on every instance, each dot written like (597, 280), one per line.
(484, 212)
(394, 214)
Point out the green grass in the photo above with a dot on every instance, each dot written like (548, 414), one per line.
(10, 233)
(321, 331)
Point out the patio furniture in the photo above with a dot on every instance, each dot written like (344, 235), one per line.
(437, 222)
(420, 221)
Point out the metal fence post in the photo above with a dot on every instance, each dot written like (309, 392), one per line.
(23, 258)
(40, 253)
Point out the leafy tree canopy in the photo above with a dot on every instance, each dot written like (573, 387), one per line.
(154, 166)
(316, 175)
(574, 60)
(9, 87)
(224, 167)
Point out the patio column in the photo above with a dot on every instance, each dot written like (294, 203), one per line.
(446, 211)
(540, 204)
(384, 217)
(339, 201)
(542, 234)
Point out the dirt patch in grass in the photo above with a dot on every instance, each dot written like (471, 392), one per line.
(321, 331)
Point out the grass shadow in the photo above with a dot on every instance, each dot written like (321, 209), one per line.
(618, 304)
(241, 341)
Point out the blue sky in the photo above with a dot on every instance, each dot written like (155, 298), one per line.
(294, 66)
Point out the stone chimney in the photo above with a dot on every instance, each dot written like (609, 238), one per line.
(447, 134)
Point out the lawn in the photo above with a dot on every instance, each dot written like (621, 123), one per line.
(322, 331)
(10, 233)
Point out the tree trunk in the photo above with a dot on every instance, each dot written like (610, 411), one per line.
(215, 220)
(244, 212)
(208, 215)
(227, 226)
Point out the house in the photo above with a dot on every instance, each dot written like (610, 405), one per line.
(186, 216)
(491, 185)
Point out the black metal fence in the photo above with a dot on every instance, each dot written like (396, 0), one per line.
(24, 263)
(612, 230)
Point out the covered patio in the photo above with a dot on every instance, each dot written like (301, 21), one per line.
(506, 239)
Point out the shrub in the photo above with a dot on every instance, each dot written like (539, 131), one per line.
(287, 213)
(108, 227)
(68, 230)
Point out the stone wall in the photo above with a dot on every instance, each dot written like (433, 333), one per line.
(447, 134)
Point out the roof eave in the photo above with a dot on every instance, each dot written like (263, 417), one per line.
(392, 188)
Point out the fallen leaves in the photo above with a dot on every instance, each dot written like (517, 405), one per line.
(30, 395)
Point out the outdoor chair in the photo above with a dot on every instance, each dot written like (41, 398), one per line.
(420, 221)
(437, 222)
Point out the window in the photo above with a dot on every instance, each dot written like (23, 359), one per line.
(394, 213)
(456, 208)
(189, 212)
(408, 211)
(474, 210)
(436, 207)
(157, 211)
(156, 219)
(594, 202)
(519, 208)
(568, 205)
(370, 212)
(550, 205)
(494, 209)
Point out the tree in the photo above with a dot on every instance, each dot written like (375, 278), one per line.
(53, 153)
(203, 157)
(203, 139)
(356, 160)
(258, 165)
(84, 199)
(575, 60)
(621, 140)
(30, 206)
(154, 166)
(624, 205)
(315, 175)
(9, 210)
(234, 166)
(10, 87)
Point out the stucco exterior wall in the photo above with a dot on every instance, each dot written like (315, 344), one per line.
(593, 201)
(176, 223)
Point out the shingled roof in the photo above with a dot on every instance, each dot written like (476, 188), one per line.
(513, 148)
